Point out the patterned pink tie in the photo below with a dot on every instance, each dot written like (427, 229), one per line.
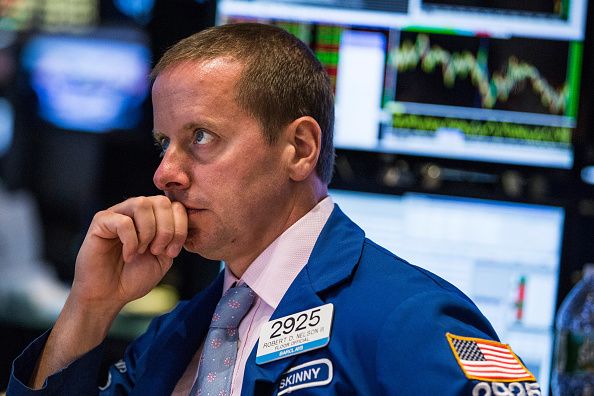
(220, 346)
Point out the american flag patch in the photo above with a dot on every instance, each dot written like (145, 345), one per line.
(487, 360)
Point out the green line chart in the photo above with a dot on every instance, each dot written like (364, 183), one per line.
(515, 75)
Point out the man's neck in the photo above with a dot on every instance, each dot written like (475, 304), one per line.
(302, 203)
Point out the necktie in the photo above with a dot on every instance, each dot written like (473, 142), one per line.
(220, 346)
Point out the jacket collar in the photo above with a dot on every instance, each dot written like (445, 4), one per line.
(336, 252)
(333, 261)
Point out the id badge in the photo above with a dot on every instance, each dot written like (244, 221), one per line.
(294, 334)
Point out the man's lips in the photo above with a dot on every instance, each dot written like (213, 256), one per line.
(193, 219)
(190, 210)
(189, 207)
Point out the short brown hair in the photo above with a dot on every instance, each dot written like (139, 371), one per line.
(282, 80)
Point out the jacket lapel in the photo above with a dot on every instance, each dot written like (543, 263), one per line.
(332, 261)
(175, 345)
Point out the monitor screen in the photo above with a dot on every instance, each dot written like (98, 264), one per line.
(48, 15)
(90, 84)
(495, 81)
(6, 126)
(505, 256)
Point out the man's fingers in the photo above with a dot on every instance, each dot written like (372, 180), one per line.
(161, 225)
(144, 220)
(180, 221)
(163, 212)
(113, 225)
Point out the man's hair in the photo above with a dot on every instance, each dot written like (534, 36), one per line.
(281, 81)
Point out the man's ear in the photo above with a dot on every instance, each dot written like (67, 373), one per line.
(304, 137)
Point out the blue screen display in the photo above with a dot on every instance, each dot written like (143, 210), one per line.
(88, 84)
(6, 126)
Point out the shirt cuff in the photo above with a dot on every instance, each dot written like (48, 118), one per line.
(78, 378)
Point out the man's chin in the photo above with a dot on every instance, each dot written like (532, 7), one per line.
(194, 246)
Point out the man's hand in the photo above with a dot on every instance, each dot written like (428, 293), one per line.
(128, 249)
(126, 252)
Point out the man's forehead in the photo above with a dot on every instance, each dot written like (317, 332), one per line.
(197, 78)
(204, 66)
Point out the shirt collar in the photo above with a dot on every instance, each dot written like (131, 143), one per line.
(273, 271)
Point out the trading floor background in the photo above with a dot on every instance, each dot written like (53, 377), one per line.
(464, 136)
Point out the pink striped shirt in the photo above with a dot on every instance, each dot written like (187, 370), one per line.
(269, 276)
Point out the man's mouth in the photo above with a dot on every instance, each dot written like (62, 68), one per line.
(189, 209)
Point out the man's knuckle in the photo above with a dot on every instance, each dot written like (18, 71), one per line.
(99, 215)
(126, 221)
(138, 204)
(162, 201)
(178, 205)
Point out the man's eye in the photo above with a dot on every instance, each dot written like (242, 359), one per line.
(202, 137)
(162, 144)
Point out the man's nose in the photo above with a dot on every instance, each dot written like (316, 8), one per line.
(171, 174)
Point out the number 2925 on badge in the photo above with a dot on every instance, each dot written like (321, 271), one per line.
(293, 334)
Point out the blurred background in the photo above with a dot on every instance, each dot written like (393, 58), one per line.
(464, 135)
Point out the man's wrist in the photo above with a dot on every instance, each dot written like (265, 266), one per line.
(80, 328)
(85, 321)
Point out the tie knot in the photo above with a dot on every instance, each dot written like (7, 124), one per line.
(232, 307)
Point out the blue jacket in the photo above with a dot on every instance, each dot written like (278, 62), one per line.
(388, 334)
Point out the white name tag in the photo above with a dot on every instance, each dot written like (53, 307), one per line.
(294, 334)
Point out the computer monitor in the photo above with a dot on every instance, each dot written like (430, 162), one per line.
(505, 256)
(88, 83)
(494, 82)
(48, 15)
(6, 126)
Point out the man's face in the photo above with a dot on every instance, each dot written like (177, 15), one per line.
(216, 162)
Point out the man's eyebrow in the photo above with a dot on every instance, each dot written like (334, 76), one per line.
(191, 126)
(157, 136)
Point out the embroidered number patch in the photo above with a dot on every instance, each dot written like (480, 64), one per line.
(487, 360)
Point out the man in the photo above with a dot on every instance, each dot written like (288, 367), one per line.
(244, 116)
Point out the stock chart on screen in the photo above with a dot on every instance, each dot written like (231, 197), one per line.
(492, 81)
